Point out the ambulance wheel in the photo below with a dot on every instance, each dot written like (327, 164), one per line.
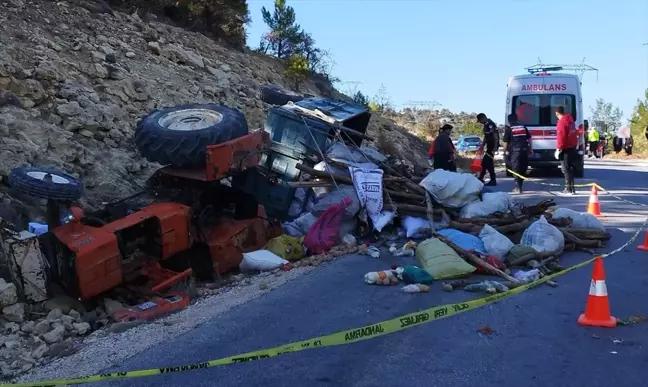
(277, 95)
(179, 135)
(45, 183)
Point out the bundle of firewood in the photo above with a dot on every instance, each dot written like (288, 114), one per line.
(401, 193)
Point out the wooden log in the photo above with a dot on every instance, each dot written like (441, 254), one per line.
(462, 283)
(430, 212)
(526, 258)
(311, 184)
(347, 180)
(410, 208)
(585, 233)
(473, 259)
(410, 184)
(587, 244)
(322, 174)
(465, 227)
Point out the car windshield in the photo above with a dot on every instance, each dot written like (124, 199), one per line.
(471, 139)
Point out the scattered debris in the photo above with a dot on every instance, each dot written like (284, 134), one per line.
(485, 330)
(636, 319)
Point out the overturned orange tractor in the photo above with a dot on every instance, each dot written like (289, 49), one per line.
(188, 221)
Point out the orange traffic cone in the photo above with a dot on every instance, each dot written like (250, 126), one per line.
(597, 310)
(594, 206)
(644, 247)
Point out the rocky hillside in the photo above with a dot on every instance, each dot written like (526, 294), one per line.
(74, 82)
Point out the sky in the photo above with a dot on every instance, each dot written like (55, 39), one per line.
(461, 53)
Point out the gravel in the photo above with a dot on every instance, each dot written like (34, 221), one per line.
(104, 348)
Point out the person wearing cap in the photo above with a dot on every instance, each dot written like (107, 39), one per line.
(517, 147)
(490, 142)
(443, 150)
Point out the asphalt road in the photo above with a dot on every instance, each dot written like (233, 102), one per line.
(536, 341)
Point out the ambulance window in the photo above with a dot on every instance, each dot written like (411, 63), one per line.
(565, 100)
(527, 108)
(539, 109)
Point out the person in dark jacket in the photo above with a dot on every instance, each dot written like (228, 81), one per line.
(443, 150)
(490, 142)
(629, 143)
(517, 147)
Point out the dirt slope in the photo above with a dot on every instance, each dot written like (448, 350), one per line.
(73, 83)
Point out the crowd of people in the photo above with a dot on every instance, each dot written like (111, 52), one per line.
(517, 146)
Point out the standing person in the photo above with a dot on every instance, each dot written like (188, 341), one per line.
(490, 142)
(430, 153)
(593, 138)
(617, 143)
(566, 147)
(586, 131)
(443, 150)
(517, 147)
(628, 145)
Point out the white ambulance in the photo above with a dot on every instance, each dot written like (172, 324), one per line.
(534, 97)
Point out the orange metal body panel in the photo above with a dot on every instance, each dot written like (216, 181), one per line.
(174, 225)
(231, 238)
(98, 260)
(157, 307)
(227, 158)
(236, 155)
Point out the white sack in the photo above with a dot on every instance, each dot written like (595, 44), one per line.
(452, 189)
(543, 237)
(261, 260)
(491, 202)
(496, 244)
(579, 219)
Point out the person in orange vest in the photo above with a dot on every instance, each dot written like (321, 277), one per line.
(442, 151)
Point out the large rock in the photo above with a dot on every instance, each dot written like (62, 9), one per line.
(55, 335)
(14, 313)
(8, 293)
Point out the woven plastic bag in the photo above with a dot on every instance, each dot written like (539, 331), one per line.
(579, 219)
(464, 240)
(496, 243)
(543, 237)
(440, 260)
(324, 234)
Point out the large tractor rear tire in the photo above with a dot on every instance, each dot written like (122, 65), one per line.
(179, 135)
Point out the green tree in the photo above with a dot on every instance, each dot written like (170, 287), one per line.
(472, 128)
(605, 116)
(297, 70)
(639, 125)
(382, 100)
(360, 99)
(285, 34)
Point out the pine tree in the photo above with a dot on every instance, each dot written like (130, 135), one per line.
(285, 34)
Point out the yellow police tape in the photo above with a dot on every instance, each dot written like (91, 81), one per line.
(608, 193)
(348, 336)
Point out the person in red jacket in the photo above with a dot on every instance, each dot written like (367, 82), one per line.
(567, 147)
